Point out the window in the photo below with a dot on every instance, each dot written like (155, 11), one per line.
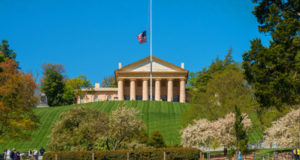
(164, 98)
(81, 100)
(176, 99)
(138, 97)
(96, 99)
(126, 98)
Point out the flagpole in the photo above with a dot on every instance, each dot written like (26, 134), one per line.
(151, 50)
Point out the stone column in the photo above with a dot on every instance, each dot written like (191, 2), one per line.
(157, 89)
(182, 91)
(132, 89)
(78, 99)
(120, 90)
(92, 98)
(170, 90)
(145, 90)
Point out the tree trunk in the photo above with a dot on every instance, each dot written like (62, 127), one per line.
(107, 144)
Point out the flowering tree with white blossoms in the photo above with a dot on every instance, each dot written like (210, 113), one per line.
(285, 131)
(221, 130)
(198, 134)
(225, 128)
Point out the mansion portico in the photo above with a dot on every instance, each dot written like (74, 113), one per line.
(133, 83)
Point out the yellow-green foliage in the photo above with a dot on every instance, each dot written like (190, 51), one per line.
(78, 129)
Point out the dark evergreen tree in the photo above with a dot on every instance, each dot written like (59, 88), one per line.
(268, 18)
(274, 70)
(240, 133)
(228, 58)
(8, 53)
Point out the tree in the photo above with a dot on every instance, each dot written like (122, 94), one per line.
(285, 131)
(156, 140)
(123, 127)
(274, 70)
(208, 133)
(83, 128)
(75, 85)
(78, 129)
(109, 82)
(16, 102)
(8, 53)
(239, 131)
(201, 133)
(227, 89)
(68, 95)
(223, 90)
(197, 83)
(59, 89)
(268, 19)
(228, 58)
(79, 82)
(52, 83)
(225, 130)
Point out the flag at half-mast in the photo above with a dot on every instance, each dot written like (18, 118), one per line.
(142, 37)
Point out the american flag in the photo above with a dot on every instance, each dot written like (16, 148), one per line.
(142, 37)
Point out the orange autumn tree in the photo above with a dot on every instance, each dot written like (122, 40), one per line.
(16, 102)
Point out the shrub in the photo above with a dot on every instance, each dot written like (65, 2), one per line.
(78, 129)
(156, 140)
(145, 154)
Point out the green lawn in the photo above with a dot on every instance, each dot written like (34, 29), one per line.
(255, 132)
(162, 116)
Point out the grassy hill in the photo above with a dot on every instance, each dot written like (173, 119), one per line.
(162, 116)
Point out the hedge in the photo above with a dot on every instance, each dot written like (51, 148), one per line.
(142, 154)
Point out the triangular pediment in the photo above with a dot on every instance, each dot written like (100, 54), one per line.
(158, 65)
(145, 66)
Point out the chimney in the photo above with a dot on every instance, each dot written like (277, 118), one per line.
(182, 65)
(120, 65)
(97, 85)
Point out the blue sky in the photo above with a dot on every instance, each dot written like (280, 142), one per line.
(90, 37)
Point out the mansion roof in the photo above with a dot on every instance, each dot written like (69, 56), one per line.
(158, 66)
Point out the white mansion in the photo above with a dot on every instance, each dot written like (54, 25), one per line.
(133, 83)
